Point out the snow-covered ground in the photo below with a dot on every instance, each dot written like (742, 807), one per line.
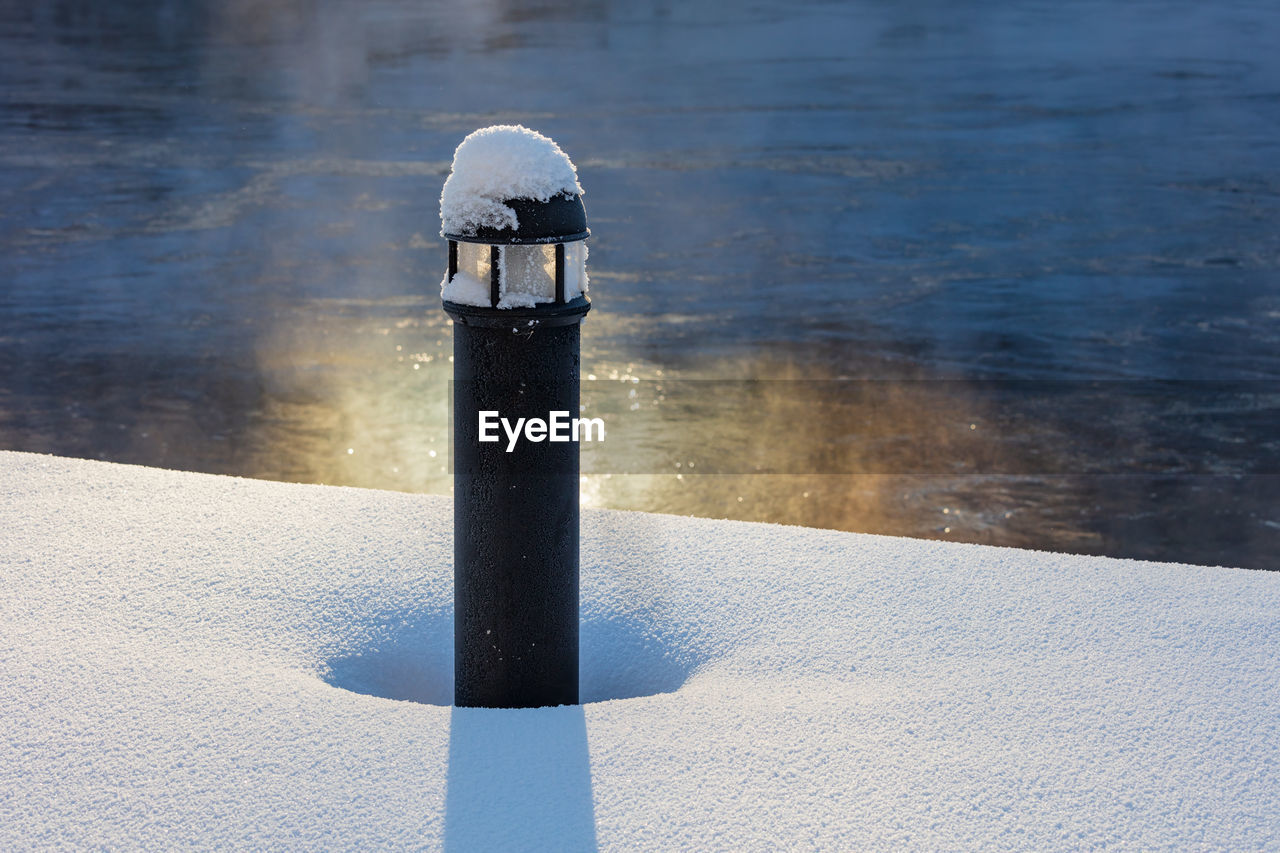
(186, 661)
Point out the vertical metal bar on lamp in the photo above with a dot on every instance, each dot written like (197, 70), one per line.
(560, 275)
(495, 262)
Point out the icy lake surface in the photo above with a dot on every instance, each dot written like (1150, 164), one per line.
(992, 272)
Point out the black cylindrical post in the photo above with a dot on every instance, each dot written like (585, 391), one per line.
(516, 296)
(515, 505)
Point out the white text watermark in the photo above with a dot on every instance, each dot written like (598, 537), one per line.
(557, 427)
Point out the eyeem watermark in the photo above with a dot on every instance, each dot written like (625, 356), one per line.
(558, 427)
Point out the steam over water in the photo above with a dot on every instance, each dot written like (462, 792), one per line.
(993, 272)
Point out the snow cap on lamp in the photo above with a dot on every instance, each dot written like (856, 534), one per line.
(511, 185)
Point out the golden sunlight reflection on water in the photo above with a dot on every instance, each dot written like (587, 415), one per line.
(358, 395)
(776, 441)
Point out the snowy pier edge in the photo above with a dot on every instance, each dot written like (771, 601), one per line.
(195, 661)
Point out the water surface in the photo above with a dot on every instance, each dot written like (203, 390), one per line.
(995, 272)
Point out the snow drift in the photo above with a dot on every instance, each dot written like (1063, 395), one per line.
(191, 661)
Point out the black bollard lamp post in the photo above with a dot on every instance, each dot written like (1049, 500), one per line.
(515, 288)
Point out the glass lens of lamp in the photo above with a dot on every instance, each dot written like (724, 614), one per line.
(527, 274)
(575, 269)
(473, 259)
